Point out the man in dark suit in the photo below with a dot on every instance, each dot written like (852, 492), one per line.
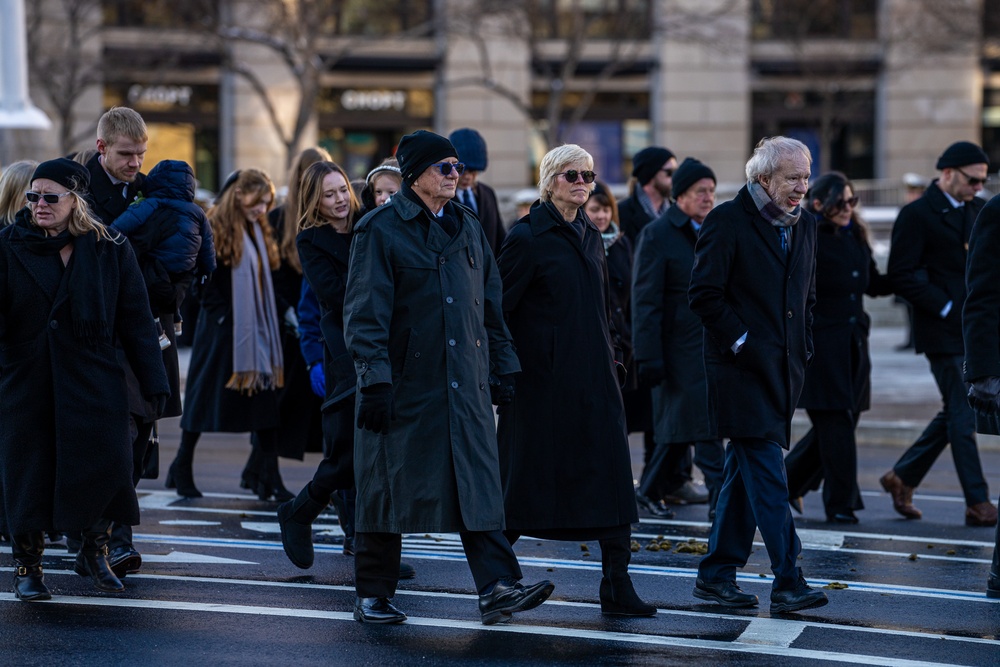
(470, 192)
(753, 286)
(653, 170)
(981, 324)
(667, 338)
(930, 241)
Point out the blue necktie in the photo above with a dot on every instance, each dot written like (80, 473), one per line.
(467, 199)
(783, 233)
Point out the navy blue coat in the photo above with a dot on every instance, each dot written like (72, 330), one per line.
(742, 282)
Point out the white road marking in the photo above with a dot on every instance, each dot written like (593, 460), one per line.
(177, 557)
(472, 626)
(272, 528)
(771, 632)
(821, 539)
(189, 522)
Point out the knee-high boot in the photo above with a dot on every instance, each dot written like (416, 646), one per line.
(92, 561)
(28, 579)
(181, 476)
(295, 518)
(618, 596)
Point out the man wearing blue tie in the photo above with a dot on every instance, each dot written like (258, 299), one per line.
(478, 197)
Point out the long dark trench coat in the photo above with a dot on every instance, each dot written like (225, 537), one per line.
(65, 449)
(422, 311)
(563, 447)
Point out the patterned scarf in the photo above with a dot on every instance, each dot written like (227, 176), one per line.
(647, 205)
(773, 213)
(257, 360)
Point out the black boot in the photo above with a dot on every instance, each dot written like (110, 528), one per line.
(29, 582)
(92, 561)
(270, 484)
(180, 476)
(250, 476)
(296, 518)
(618, 597)
(346, 503)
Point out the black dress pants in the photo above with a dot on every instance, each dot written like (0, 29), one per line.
(828, 453)
(336, 471)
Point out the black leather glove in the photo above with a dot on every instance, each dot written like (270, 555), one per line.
(502, 389)
(651, 373)
(375, 410)
(984, 395)
(158, 404)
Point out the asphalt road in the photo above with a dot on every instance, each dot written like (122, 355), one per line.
(216, 588)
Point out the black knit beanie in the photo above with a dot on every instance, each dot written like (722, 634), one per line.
(420, 150)
(960, 154)
(65, 172)
(648, 161)
(690, 172)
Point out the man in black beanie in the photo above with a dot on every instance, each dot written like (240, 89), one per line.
(423, 322)
(667, 339)
(930, 242)
(653, 169)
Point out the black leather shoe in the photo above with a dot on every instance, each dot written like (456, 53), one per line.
(124, 560)
(846, 516)
(376, 610)
(726, 593)
(509, 596)
(993, 587)
(406, 571)
(796, 599)
(29, 584)
(657, 508)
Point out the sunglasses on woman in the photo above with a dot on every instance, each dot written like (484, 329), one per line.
(446, 167)
(844, 203)
(49, 198)
(572, 175)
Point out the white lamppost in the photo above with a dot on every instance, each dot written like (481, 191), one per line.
(16, 109)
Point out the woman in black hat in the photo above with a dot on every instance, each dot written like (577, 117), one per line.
(68, 288)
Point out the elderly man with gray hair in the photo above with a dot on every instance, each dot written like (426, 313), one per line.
(756, 305)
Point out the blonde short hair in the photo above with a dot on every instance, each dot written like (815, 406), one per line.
(118, 122)
(554, 162)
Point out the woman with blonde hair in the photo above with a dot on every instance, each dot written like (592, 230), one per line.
(236, 361)
(14, 182)
(68, 289)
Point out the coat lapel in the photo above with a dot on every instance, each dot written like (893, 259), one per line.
(48, 281)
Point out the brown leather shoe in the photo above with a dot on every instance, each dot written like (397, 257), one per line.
(902, 495)
(981, 514)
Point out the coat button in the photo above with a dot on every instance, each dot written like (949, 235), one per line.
(479, 343)
(855, 274)
(482, 386)
(854, 297)
(454, 385)
(441, 260)
(416, 355)
(53, 324)
(449, 300)
(788, 314)
(451, 342)
(852, 320)
(477, 301)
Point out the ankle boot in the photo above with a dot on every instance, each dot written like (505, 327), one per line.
(618, 597)
(295, 518)
(92, 561)
(180, 476)
(29, 583)
(345, 502)
(251, 472)
(270, 484)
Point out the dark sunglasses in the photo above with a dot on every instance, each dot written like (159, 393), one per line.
(446, 167)
(844, 203)
(668, 172)
(972, 181)
(49, 198)
(572, 175)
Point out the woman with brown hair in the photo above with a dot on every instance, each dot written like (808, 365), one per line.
(236, 361)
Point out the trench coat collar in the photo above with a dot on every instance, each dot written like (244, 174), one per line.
(542, 218)
(682, 221)
(437, 240)
(770, 237)
(952, 216)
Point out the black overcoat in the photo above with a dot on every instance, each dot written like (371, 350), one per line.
(422, 312)
(489, 216)
(981, 317)
(563, 447)
(208, 406)
(666, 330)
(839, 377)
(930, 240)
(65, 450)
(633, 216)
(743, 283)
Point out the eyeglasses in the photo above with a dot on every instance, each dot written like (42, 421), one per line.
(668, 172)
(972, 180)
(844, 203)
(49, 198)
(446, 167)
(572, 175)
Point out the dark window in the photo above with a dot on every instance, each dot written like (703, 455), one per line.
(991, 21)
(186, 14)
(801, 19)
(600, 19)
(377, 19)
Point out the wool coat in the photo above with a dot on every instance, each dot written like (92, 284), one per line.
(65, 449)
(208, 406)
(563, 446)
(742, 282)
(930, 241)
(839, 377)
(633, 216)
(422, 312)
(666, 330)
(489, 216)
(981, 317)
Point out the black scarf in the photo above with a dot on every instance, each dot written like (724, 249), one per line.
(86, 289)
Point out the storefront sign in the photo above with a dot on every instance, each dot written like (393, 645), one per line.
(160, 96)
(373, 100)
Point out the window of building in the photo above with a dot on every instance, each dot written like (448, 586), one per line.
(363, 18)
(991, 21)
(601, 19)
(183, 14)
(801, 19)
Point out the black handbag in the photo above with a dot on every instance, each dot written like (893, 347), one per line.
(151, 459)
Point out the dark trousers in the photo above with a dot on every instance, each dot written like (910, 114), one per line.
(955, 424)
(336, 471)
(376, 560)
(754, 495)
(670, 466)
(828, 453)
(121, 534)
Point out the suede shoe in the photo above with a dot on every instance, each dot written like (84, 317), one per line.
(902, 495)
(124, 560)
(509, 596)
(981, 514)
(796, 599)
(376, 610)
(725, 593)
(657, 508)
